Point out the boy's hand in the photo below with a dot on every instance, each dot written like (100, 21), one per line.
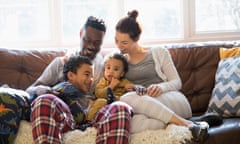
(90, 103)
(54, 92)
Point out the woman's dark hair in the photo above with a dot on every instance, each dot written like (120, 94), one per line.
(73, 64)
(95, 23)
(120, 57)
(129, 25)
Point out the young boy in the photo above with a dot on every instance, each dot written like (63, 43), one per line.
(113, 84)
(77, 73)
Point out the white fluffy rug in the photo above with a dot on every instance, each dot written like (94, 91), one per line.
(171, 135)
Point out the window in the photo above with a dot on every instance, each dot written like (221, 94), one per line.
(217, 15)
(161, 19)
(56, 23)
(214, 20)
(27, 20)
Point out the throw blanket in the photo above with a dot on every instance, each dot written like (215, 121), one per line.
(171, 135)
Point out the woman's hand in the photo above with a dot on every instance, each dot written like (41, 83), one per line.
(154, 90)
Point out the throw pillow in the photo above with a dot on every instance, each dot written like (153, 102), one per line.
(13, 108)
(229, 52)
(225, 98)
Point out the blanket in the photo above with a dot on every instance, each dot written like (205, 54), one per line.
(171, 135)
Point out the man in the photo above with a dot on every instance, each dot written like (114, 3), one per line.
(91, 38)
(54, 114)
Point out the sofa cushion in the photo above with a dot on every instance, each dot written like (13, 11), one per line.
(19, 68)
(225, 98)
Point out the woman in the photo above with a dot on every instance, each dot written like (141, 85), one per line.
(161, 102)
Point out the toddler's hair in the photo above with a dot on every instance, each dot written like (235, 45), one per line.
(120, 57)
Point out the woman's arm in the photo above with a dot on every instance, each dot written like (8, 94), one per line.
(166, 70)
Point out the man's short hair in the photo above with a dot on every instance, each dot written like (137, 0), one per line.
(95, 23)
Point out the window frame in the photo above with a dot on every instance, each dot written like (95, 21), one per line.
(187, 14)
(205, 36)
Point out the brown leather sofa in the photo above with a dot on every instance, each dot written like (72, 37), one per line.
(195, 62)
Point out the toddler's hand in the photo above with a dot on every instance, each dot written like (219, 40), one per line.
(114, 83)
(140, 90)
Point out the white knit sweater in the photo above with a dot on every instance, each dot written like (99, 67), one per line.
(166, 69)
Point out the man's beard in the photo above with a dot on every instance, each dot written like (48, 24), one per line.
(90, 53)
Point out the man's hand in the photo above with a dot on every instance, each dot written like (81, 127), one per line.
(41, 89)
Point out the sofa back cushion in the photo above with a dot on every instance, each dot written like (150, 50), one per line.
(196, 67)
(20, 68)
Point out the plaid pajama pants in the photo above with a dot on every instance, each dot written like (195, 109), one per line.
(51, 117)
(113, 123)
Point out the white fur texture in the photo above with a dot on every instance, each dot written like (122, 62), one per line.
(173, 134)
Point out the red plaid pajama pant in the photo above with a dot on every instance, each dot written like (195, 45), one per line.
(113, 123)
(51, 117)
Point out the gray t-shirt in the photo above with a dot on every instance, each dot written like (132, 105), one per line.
(143, 73)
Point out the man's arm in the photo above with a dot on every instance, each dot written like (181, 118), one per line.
(50, 76)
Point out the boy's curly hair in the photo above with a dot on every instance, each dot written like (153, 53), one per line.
(73, 64)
